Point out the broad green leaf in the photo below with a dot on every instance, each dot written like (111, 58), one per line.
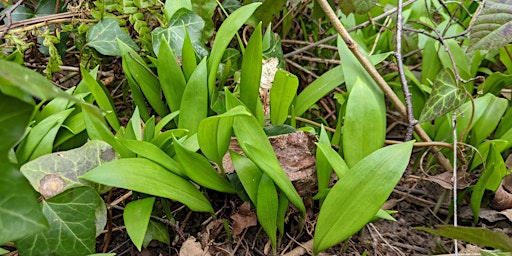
(145, 176)
(224, 36)
(493, 26)
(334, 159)
(271, 46)
(144, 78)
(357, 197)
(52, 174)
(494, 172)
(152, 152)
(364, 127)
(13, 122)
(482, 236)
(188, 57)
(136, 219)
(164, 121)
(488, 121)
(318, 89)
(282, 93)
(171, 7)
(267, 207)
(133, 129)
(430, 62)
(54, 106)
(495, 83)
(214, 134)
(21, 215)
(505, 125)
(103, 37)
(183, 19)
(170, 75)
(251, 73)
(135, 90)
(256, 146)
(446, 96)
(483, 151)
(363, 6)
(282, 210)
(39, 140)
(156, 231)
(72, 230)
(3, 251)
(199, 170)
(102, 97)
(248, 173)
(206, 9)
(194, 103)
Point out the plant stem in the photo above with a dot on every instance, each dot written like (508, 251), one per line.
(443, 161)
(399, 60)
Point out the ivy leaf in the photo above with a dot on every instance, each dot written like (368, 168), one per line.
(103, 35)
(357, 6)
(175, 32)
(72, 230)
(446, 96)
(493, 27)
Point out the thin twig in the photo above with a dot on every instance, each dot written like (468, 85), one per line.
(443, 161)
(454, 122)
(401, 73)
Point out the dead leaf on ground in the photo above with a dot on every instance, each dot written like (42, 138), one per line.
(445, 180)
(503, 197)
(243, 219)
(192, 248)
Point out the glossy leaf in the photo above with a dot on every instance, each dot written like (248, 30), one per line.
(487, 123)
(214, 134)
(248, 173)
(282, 93)
(103, 37)
(72, 229)
(188, 57)
(199, 170)
(136, 219)
(430, 63)
(446, 96)
(267, 207)
(171, 7)
(495, 82)
(256, 147)
(14, 120)
(484, 148)
(224, 36)
(170, 75)
(494, 172)
(156, 231)
(357, 197)
(164, 121)
(194, 103)
(39, 140)
(155, 154)
(364, 127)
(251, 73)
(493, 26)
(334, 159)
(175, 32)
(483, 236)
(102, 97)
(145, 176)
(318, 89)
(323, 168)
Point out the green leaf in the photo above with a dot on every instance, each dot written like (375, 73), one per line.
(224, 36)
(156, 231)
(214, 134)
(188, 57)
(495, 170)
(21, 215)
(446, 96)
(152, 152)
(39, 140)
(72, 230)
(482, 236)
(430, 62)
(199, 170)
(492, 113)
(268, 10)
(171, 7)
(483, 150)
(206, 9)
(102, 37)
(251, 73)
(136, 219)
(357, 197)
(182, 20)
(495, 83)
(54, 173)
(194, 103)
(248, 173)
(145, 176)
(164, 121)
(282, 93)
(256, 146)
(14, 119)
(364, 6)
(102, 97)
(493, 26)
(318, 89)
(144, 78)
(334, 159)
(364, 129)
(266, 207)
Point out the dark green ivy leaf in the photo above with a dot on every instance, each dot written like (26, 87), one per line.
(493, 27)
(357, 6)
(103, 35)
(175, 33)
(445, 97)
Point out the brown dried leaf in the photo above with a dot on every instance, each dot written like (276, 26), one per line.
(445, 180)
(192, 248)
(243, 219)
(503, 197)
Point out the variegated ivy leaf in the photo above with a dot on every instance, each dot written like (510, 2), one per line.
(493, 27)
(103, 37)
(357, 6)
(445, 97)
